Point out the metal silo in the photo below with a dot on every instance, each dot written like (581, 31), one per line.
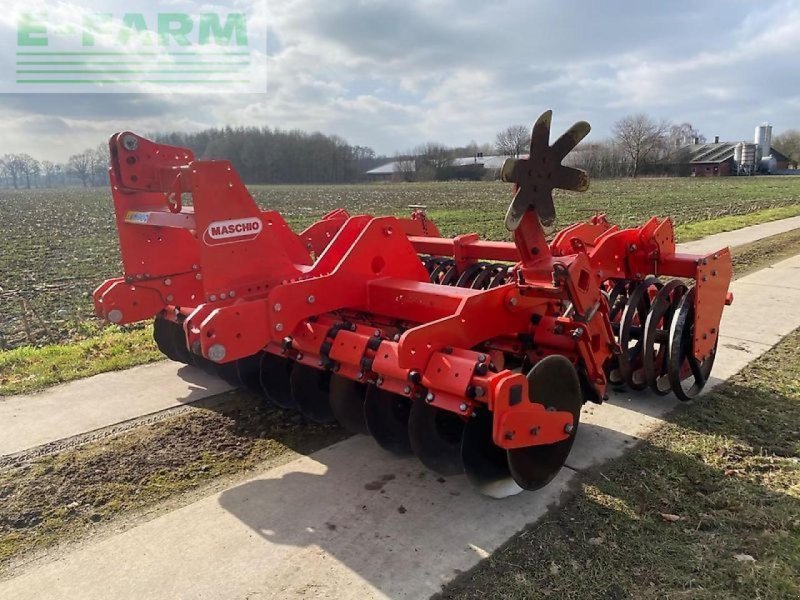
(763, 139)
(744, 154)
(749, 154)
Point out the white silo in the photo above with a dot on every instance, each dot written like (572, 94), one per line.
(737, 153)
(749, 154)
(744, 155)
(763, 139)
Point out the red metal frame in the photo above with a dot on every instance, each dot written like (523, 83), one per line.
(247, 283)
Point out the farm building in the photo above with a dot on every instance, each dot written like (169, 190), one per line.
(392, 171)
(469, 167)
(718, 159)
(733, 158)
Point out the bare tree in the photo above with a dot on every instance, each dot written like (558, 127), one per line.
(13, 167)
(99, 161)
(788, 143)
(682, 135)
(435, 154)
(30, 167)
(640, 137)
(82, 164)
(513, 140)
(431, 158)
(49, 170)
(405, 168)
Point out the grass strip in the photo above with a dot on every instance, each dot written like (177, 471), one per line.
(72, 493)
(28, 369)
(707, 507)
(700, 229)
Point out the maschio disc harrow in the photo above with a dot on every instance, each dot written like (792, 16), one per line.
(475, 356)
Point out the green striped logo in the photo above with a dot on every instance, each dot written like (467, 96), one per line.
(92, 48)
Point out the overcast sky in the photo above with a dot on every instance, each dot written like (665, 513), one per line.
(394, 74)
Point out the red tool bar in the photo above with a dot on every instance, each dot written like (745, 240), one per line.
(478, 250)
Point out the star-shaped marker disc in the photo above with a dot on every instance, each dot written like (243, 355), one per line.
(536, 176)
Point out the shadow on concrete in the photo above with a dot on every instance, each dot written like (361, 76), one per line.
(201, 384)
(358, 514)
(386, 520)
(728, 504)
(647, 403)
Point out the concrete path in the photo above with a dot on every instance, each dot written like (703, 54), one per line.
(105, 400)
(352, 521)
(99, 401)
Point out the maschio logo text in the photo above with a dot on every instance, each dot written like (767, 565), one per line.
(233, 230)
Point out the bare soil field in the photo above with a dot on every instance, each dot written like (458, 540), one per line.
(59, 244)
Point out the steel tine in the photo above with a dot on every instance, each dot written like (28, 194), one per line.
(569, 139)
(543, 204)
(516, 210)
(570, 178)
(540, 136)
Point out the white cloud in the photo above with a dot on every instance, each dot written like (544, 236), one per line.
(395, 75)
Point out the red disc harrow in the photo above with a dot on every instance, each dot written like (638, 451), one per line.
(476, 356)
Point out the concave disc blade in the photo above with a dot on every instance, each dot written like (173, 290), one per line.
(274, 374)
(311, 392)
(247, 370)
(554, 382)
(484, 462)
(182, 353)
(387, 414)
(347, 403)
(633, 318)
(209, 366)
(435, 437)
(655, 354)
(163, 334)
(687, 374)
(229, 373)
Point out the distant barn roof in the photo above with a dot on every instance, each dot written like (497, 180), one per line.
(393, 167)
(488, 162)
(716, 153)
(710, 153)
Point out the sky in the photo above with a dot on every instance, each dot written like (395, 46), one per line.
(395, 74)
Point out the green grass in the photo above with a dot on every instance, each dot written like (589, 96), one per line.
(28, 369)
(707, 507)
(700, 229)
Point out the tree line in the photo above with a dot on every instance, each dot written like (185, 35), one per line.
(265, 155)
(87, 168)
(639, 145)
(260, 155)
